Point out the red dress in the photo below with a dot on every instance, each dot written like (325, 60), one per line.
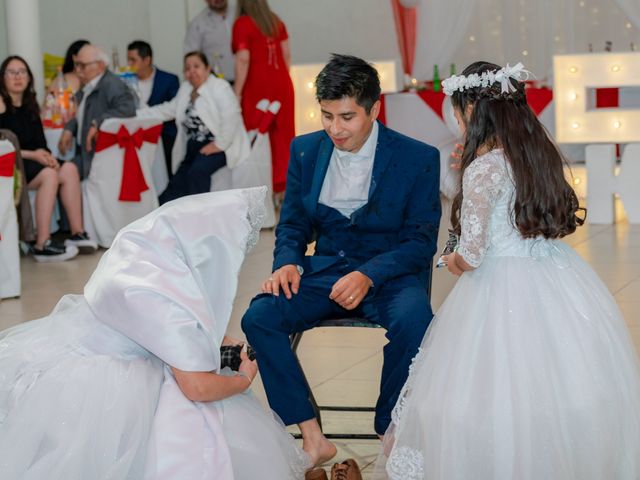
(268, 77)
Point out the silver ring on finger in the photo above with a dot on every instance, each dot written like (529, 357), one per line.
(351, 298)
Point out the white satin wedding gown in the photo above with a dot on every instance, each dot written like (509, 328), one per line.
(527, 371)
(87, 392)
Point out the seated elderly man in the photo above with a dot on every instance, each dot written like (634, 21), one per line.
(103, 95)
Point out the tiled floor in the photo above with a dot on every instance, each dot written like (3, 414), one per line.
(343, 365)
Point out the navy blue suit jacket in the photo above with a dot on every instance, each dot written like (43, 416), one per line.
(165, 87)
(394, 234)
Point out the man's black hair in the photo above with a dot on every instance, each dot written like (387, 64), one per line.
(349, 76)
(143, 48)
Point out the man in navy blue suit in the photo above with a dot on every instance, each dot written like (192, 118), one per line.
(369, 197)
(156, 86)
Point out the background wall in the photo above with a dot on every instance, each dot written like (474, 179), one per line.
(3, 32)
(316, 28)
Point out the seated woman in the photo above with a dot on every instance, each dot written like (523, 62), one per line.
(19, 112)
(125, 381)
(211, 131)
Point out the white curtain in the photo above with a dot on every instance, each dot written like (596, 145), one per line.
(632, 10)
(442, 27)
(531, 32)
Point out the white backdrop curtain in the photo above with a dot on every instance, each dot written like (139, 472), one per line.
(632, 9)
(531, 32)
(442, 28)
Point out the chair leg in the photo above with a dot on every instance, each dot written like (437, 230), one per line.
(295, 342)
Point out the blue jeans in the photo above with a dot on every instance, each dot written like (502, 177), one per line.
(401, 306)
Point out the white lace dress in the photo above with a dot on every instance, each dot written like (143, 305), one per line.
(527, 371)
(87, 392)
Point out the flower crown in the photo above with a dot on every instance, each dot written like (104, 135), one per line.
(459, 83)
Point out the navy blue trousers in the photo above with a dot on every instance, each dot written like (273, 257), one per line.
(194, 174)
(401, 306)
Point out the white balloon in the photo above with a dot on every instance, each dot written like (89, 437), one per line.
(409, 3)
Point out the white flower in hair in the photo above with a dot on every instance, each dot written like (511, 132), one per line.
(460, 83)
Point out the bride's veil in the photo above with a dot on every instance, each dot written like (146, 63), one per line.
(169, 279)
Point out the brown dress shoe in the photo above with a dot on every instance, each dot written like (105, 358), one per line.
(316, 474)
(347, 470)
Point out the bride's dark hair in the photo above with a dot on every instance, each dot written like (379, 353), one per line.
(545, 203)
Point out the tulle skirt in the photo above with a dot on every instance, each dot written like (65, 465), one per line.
(80, 401)
(527, 372)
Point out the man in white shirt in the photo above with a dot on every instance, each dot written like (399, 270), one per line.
(210, 33)
(155, 86)
(369, 197)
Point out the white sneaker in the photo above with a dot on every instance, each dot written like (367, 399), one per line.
(54, 252)
(82, 242)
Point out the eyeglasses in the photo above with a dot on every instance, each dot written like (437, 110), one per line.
(16, 73)
(83, 65)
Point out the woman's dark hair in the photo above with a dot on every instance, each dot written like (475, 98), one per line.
(199, 54)
(347, 76)
(29, 100)
(545, 203)
(74, 48)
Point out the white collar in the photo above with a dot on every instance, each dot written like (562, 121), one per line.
(89, 87)
(367, 150)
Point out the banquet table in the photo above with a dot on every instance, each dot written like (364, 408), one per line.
(9, 250)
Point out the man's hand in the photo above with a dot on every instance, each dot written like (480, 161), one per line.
(350, 290)
(281, 278)
(91, 135)
(209, 149)
(66, 139)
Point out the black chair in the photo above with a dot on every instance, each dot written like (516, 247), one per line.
(317, 409)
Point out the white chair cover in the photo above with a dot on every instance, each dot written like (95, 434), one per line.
(104, 215)
(255, 171)
(9, 249)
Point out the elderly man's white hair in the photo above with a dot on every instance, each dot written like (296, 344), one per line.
(97, 54)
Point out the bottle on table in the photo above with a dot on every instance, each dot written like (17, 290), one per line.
(436, 79)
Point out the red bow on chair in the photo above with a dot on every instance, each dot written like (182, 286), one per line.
(7, 162)
(133, 183)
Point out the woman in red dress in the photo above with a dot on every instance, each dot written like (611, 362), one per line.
(261, 45)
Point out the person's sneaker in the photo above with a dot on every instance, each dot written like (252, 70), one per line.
(83, 242)
(54, 252)
(347, 470)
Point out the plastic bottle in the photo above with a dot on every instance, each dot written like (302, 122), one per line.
(436, 79)
(216, 68)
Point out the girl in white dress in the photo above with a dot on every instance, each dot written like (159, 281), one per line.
(527, 371)
(124, 382)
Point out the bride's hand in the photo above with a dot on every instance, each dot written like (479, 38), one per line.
(248, 367)
(227, 340)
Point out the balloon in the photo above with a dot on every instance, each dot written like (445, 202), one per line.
(409, 3)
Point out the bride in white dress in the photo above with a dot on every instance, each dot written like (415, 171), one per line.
(527, 371)
(124, 382)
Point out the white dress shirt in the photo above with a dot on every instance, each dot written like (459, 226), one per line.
(145, 87)
(348, 179)
(86, 91)
(210, 33)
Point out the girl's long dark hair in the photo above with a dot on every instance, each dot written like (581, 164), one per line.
(29, 100)
(545, 203)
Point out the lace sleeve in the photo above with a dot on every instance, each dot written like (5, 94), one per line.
(482, 184)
